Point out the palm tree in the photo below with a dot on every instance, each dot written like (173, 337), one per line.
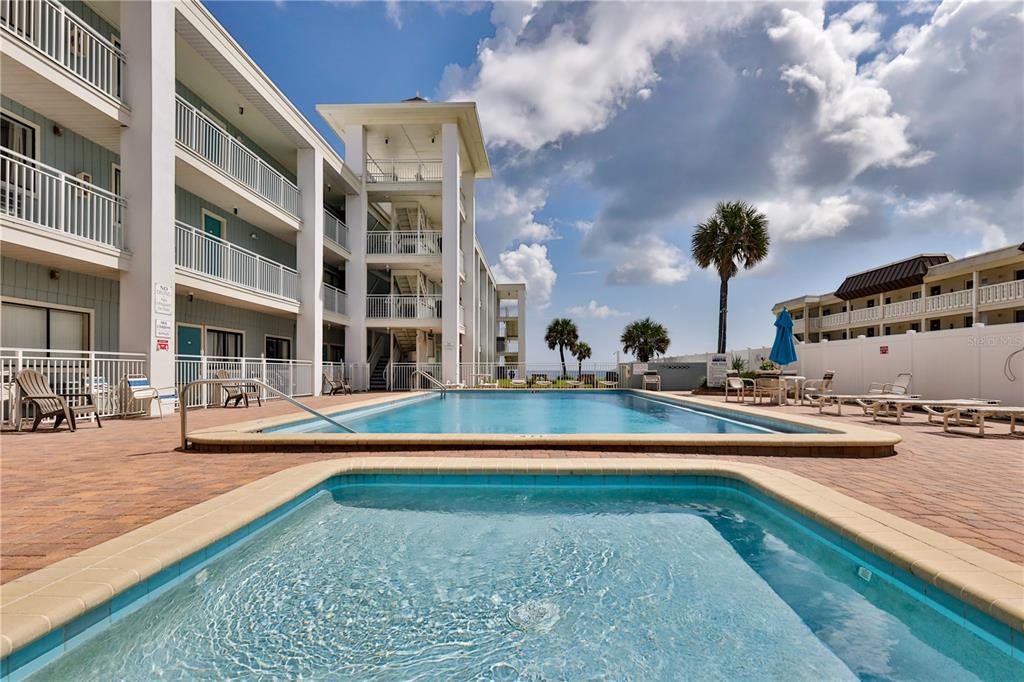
(562, 333)
(582, 352)
(737, 234)
(645, 339)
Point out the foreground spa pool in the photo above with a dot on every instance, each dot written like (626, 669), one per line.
(544, 412)
(463, 577)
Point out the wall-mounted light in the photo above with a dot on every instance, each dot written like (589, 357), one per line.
(54, 274)
(191, 297)
(328, 188)
(235, 209)
(241, 111)
(253, 235)
(385, 140)
(57, 130)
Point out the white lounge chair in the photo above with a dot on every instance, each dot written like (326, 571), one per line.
(895, 407)
(979, 414)
(816, 387)
(517, 383)
(865, 400)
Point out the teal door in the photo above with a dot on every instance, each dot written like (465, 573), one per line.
(190, 340)
(213, 249)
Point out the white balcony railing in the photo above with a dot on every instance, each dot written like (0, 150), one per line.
(55, 31)
(508, 311)
(462, 264)
(835, 320)
(357, 375)
(335, 299)
(1004, 292)
(865, 315)
(403, 243)
(799, 326)
(400, 170)
(291, 377)
(46, 197)
(408, 307)
(335, 229)
(198, 251)
(910, 308)
(462, 315)
(813, 324)
(201, 135)
(949, 302)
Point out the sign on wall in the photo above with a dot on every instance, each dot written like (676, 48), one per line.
(162, 328)
(163, 299)
(718, 366)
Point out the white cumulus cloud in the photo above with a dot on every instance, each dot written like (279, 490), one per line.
(595, 311)
(508, 213)
(649, 260)
(801, 219)
(528, 263)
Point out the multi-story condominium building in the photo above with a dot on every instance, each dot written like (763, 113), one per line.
(160, 196)
(512, 323)
(927, 292)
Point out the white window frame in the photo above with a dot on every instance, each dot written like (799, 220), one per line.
(89, 312)
(212, 328)
(28, 124)
(280, 337)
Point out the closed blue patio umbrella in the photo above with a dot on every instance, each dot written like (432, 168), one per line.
(783, 350)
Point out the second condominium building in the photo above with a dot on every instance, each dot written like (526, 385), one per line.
(160, 195)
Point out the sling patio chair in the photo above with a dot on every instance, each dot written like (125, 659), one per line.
(136, 388)
(816, 387)
(336, 386)
(34, 389)
(240, 391)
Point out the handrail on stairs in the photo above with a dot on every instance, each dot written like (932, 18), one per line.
(430, 380)
(183, 402)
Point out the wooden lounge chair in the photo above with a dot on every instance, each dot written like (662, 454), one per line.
(978, 414)
(336, 386)
(34, 389)
(240, 391)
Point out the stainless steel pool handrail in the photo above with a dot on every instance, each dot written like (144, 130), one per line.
(182, 402)
(430, 380)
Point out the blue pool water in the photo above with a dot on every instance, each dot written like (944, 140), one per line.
(540, 413)
(495, 582)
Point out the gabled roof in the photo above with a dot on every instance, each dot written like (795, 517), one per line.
(904, 273)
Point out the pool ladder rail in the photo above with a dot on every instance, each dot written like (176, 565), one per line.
(255, 382)
(433, 381)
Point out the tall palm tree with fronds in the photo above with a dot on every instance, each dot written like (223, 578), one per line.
(562, 333)
(645, 339)
(737, 234)
(582, 351)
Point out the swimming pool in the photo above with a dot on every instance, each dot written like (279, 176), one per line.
(558, 577)
(545, 412)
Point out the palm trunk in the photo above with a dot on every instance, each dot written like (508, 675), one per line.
(723, 313)
(561, 354)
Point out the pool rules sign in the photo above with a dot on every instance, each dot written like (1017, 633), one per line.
(163, 315)
(718, 365)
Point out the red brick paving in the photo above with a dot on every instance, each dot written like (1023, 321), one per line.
(62, 492)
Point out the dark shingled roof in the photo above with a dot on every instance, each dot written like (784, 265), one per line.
(905, 273)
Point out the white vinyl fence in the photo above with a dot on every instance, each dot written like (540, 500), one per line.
(400, 375)
(291, 377)
(356, 374)
(67, 372)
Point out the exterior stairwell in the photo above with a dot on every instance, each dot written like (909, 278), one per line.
(378, 382)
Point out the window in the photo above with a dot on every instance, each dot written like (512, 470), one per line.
(968, 283)
(18, 135)
(828, 311)
(277, 348)
(935, 290)
(916, 326)
(224, 344)
(871, 303)
(888, 300)
(871, 332)
(915, 295)
(934, 325)
(333, 352)
(1018, 274)
(30, 326)
(115, 179)
(827, 337)
(1018, 315)
(844, 336)
(888, 331)
(844, 309)
(334, 279)
(968, 321)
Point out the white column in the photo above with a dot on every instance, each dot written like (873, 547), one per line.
(976, 279)
(309, 261)
(355, 270)
(467, 237)
(450, 252)
(146, 317)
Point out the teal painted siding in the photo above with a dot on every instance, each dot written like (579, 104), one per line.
(93, 20)
(188, 208)
(32, 282)
(70, 152)
(254, 324)
(196, 101)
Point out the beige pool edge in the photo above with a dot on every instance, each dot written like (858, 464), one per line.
(38, 603)
(836, 439)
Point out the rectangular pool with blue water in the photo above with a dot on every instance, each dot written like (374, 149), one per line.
(542, 578)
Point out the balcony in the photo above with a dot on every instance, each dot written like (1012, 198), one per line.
(508, 311)
(54, 31)
(403, 243)
(462, 264)
(335, 300)
(949, 302)
(507, 345)
(402, 171)
(205, 254)
(911, 308)
(335, 229)
(200, 135)
(864, 315)
(1004, 292)
(835, 321)
(46, 197)
(405, 307)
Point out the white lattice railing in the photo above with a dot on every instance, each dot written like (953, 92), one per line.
(902, 309)
(954, 300)
(865, 315)
(835, 320)
(401, 170)
(1004, 292)
(356, 374)
(291, 377)
(55, 31)
(70, 371)
(200, 134)
(204, 253)
(46, 197)
(409, 307)
(335, 299)
(335, 229)
(403, 243)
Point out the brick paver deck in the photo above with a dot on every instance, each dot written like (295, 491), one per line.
(62, 492)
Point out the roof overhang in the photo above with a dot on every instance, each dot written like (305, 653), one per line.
(464, 114)
(905, 273)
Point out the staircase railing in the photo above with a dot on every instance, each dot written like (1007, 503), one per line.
(183, 401)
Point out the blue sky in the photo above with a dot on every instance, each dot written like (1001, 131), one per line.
(866, 133)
